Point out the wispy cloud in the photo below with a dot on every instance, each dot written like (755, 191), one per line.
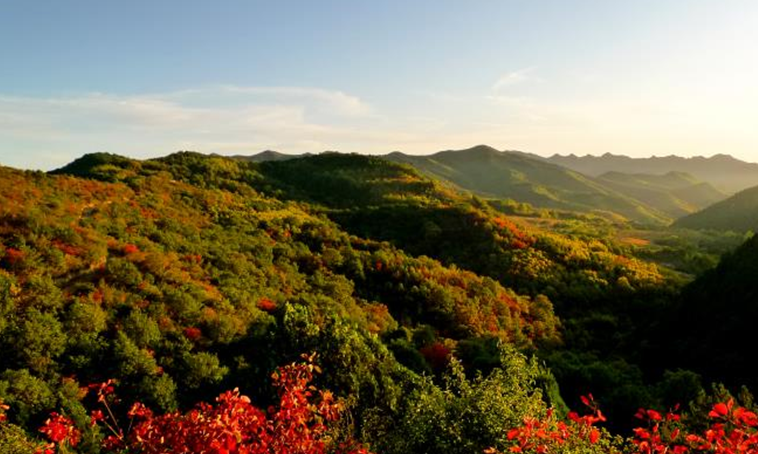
(217, 118)
(513, 78)
(48, 132)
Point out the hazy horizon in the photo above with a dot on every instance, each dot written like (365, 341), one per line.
(590, 77)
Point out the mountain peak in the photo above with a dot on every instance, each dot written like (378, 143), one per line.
(477, 151)
(266, 155)
(481, 149)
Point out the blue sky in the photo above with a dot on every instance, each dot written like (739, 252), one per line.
(146, 78)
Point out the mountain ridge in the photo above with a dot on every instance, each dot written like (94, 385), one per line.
(529, 178)
(723, 171)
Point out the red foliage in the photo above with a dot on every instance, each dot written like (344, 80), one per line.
(300, 424)
(519, 239)
(14, 256)
(3, 408)
(59, 430)
(551, 436)
(66, 248)
(194, 258)
(518, 244)
(267, 305)
(192, 333)
(437, 355)
(733, 430)
(130, 249)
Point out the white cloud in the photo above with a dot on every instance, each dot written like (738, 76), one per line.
(46, 132)
(341, 102)
(512, 78)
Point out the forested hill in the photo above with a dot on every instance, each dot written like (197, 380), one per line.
(374, 198)
(722, 171)
(524, 178)
(188, 275)
(179, 280)
(648, 199)
(268, 155)
(738, 213)
(713, 326)
(606, 299)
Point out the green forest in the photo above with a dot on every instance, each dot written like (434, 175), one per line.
(370, 305)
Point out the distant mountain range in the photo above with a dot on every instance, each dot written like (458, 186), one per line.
(722, 171)
(523, 177)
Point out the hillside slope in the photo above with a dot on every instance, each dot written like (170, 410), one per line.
(492, 173)
(181, 290)
(713, 329)
(738, 213)
(374, 198)
(675, 193)
(605, 300)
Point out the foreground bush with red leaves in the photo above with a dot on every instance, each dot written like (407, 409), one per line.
(731, 430)
(302, 424)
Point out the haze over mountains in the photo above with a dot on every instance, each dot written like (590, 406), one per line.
(674, 193)
(722, 171)
(656, 197)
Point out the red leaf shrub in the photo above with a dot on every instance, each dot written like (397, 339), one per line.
(267, 305)
(60, 431)
(3, 409)
(14, 256)
(551, 435)
(192, 333)
(130, 249)
(733, 430)
(302, 423)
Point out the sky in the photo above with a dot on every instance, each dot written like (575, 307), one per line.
(148, 78)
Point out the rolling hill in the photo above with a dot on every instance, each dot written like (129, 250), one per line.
(722, 171)
(267, 155)
(738, 213)
(651, 199)
(374, 198)
(521, 177)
